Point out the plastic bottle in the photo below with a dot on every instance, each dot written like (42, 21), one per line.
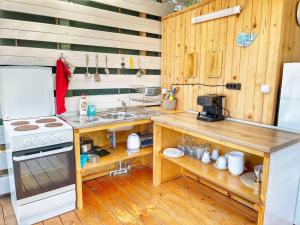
(82, 105)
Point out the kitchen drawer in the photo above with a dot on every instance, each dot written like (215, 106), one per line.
(44, 206)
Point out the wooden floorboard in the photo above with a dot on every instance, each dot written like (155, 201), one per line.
(87, 216)
(70, 218)
(131, 199)
(8, 212)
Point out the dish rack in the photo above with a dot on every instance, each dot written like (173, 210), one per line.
(140, 95)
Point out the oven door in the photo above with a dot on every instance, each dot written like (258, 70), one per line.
(44, 169)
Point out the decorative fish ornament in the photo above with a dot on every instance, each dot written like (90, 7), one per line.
(244, 39)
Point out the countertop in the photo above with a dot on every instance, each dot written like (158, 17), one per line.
(81, 122)
(250, 136)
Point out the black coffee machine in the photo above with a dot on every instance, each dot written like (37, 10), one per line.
(213, 107)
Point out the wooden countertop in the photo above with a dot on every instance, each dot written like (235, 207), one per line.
(160, 109)
(250, 136)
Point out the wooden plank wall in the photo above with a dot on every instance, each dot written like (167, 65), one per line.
(261, 63)
(37, 32)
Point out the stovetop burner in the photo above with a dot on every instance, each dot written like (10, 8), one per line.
(26, 127)
(53, 125)
(19, 123)
(46, 120)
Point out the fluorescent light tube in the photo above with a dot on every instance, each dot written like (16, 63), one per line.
(216, 15)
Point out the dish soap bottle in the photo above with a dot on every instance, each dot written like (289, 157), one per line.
(82, 105)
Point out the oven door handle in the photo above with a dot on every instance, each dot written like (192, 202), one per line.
(41, 154)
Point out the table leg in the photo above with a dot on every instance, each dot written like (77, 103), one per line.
(78, 170)
(157, 144)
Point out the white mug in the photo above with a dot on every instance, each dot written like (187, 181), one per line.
(215, 154)
(206, 157)
(221, 163)
(236, 163)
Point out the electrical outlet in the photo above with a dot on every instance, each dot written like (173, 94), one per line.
(234, 86)
(265, 89)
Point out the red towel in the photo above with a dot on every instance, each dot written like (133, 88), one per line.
(62, 83)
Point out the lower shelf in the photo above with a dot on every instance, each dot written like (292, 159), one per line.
(221, 178)
(118, 154)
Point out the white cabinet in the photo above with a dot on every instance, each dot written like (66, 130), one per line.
(289, 110)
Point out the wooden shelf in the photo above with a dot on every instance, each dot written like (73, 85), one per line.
(221, 178)
(118, 154)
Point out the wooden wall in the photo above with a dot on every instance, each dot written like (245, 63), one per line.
(261, 63)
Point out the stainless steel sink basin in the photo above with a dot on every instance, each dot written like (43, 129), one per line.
(104, 117)
(117, 116)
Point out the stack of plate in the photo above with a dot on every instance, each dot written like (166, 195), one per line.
(173, 152)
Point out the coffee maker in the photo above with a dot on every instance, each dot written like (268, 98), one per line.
(213, 107)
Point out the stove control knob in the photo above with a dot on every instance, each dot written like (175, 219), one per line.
(45, 140)
(27, 142)
(55, 137)
(34, 140)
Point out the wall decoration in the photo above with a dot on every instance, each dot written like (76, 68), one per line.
(214, 61)
(190, 65)
(245, 40)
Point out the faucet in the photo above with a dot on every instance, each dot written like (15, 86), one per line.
(124, 105)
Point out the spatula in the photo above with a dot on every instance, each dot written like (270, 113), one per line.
(97, 77)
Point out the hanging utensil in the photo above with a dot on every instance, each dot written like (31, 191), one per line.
(97, 77)
(140, 71)
(131, 64)
(87, 74)
(122, 65)
(106, 70)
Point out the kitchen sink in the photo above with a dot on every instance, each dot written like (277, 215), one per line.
(118, 116)
(108, 117)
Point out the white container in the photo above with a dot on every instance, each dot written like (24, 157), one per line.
(133, 143)
(236, 163)
(215, 154)
(206, 157)
(221, 163)
(82, 105)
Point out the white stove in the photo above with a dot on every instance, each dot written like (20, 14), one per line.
(40, 154)
(37, 132)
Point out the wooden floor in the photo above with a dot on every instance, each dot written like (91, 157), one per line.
(131, 199)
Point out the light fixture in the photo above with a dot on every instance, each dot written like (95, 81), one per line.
(216, 15)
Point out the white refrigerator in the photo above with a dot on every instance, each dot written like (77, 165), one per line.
(289, 108)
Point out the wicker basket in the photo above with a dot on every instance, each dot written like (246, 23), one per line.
(169, 105)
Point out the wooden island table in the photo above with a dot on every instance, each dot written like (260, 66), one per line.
(277, 151)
